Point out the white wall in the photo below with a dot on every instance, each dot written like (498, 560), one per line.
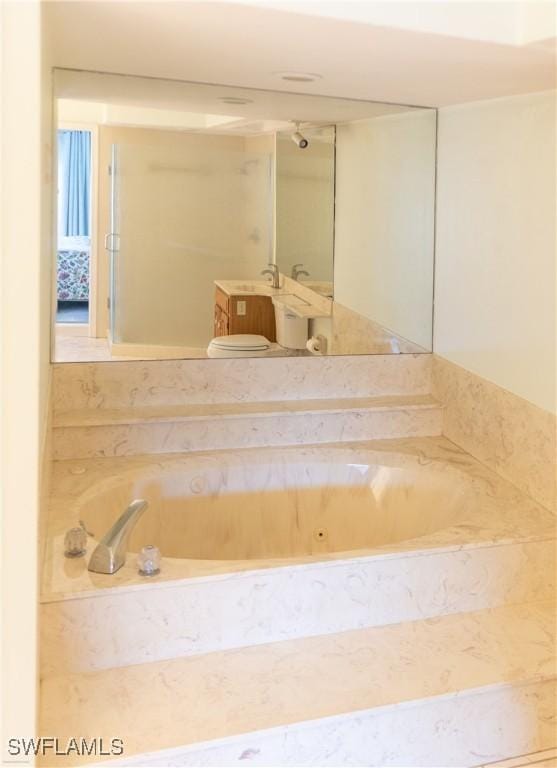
(384, 221)
(25, 153)
(495, 253)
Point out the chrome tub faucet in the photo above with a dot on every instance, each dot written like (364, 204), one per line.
(110, 553)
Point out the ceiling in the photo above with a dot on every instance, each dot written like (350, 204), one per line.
(509, 22)
(362, 50)
(148, 102)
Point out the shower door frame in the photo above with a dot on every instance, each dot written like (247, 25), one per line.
(112, 243)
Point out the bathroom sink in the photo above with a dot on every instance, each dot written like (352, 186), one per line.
(238, 288)
(298, 306)
(290, 300)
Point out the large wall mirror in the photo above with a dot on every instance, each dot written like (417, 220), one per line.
(202, 221)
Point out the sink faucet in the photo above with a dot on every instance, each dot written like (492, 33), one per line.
(297, 272)
(110, 553)
(275, 275)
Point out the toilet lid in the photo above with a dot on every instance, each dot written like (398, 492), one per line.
(243, 342)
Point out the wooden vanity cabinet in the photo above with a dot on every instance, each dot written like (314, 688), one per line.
(259, 316)
(221, 321)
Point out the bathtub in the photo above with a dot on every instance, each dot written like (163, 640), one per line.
(283, 506)
(266, 545)
(226, 511)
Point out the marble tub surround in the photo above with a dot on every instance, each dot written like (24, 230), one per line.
(74, 349)
(350, 689)
(135, 624)
(315, 655)
(494, 511)
(355, 334)
(176, 406)
(91, 417)
(510, 435)
(490, 545)
(187, 382)
(94, 432)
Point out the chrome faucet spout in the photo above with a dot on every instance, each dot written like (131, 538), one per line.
(295, 274)
(110, 553)
(275, 275)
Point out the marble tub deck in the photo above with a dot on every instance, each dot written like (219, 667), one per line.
(502, 515)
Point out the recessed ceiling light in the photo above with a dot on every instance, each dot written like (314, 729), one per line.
(298, 77)
(235, 100)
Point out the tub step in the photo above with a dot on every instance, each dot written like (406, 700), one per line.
(466, 689)
(94, 432)
(545, 759)
(180, 382)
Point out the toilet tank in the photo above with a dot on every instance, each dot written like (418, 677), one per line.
(292, 331)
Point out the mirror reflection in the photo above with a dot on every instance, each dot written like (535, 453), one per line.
(201, 221)
(305, 206)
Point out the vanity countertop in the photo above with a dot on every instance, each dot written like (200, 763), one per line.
(300, 304)
(247, 287)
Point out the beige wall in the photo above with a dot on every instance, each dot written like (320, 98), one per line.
(495, 254)
(185, 221)
(259, 207)
(305, 202)
(26, 287)
(384, 226)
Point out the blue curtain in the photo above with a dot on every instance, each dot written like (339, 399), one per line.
(74, 177)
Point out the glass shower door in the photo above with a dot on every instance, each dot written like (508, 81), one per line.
(185, 211)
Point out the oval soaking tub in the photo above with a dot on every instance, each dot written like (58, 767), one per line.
(227, 509)
(265, 545)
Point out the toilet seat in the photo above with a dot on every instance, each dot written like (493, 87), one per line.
(238, 345)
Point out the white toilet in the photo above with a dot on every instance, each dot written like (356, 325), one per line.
(239, 345)
(292, 333)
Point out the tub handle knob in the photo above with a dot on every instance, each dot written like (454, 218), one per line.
(149, 561)
(75, 542)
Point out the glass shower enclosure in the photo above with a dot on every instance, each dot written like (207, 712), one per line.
(184, 213)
